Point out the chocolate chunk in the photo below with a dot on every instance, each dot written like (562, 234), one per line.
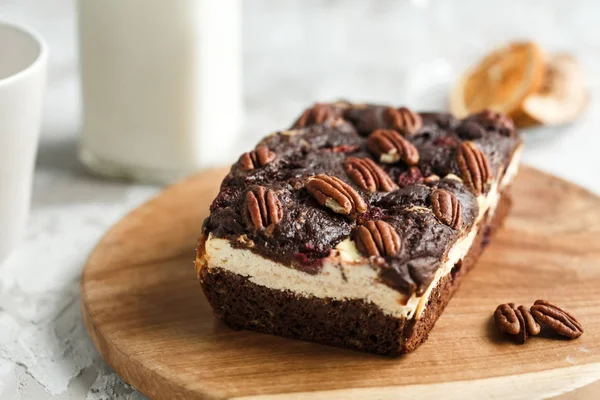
(495, 121)
(470, 130)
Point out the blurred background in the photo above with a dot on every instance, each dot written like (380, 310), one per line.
(295, 52)
(402, 52)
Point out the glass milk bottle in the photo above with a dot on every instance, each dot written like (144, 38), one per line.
(161, 85)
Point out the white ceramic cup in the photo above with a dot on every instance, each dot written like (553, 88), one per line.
(23, 59)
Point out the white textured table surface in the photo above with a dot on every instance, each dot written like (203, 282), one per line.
(295, 52)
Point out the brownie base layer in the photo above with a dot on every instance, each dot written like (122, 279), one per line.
(354, 324)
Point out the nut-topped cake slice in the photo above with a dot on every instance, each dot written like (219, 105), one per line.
(354, 227)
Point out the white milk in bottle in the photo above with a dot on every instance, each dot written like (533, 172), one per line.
(161, 85)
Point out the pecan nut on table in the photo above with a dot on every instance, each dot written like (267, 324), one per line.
(521, 323)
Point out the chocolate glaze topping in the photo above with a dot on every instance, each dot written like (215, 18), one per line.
(308, 231)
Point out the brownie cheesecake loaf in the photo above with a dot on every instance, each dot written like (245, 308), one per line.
(354, 227)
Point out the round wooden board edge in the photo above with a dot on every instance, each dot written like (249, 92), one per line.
(555, 382)
(116, 358)
(547, 384)
(126, 367)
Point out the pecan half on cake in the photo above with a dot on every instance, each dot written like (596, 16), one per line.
(355, 226)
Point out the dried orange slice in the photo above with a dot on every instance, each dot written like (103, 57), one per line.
(562, 97)
(501, 81)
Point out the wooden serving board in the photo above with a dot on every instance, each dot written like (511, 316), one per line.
(148, 317)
